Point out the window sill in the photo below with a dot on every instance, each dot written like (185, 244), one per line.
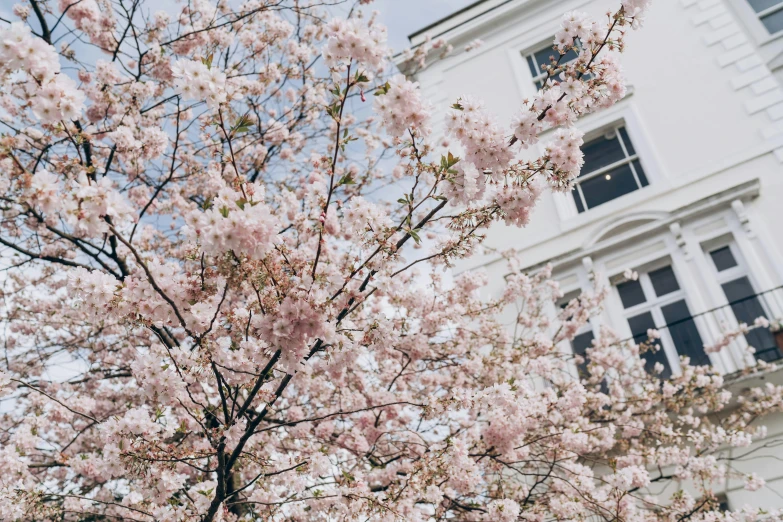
(768, 38)
(634, 199)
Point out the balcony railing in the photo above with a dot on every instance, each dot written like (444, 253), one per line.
(688, 334)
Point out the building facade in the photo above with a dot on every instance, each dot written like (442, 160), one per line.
(683, 181)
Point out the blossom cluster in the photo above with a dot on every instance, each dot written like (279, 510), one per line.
(210, 317)
(197, 81)
(355, 40)
(85, 203)
(399, 103)
(53, 96)
(235, 222)
(294, 324)
(481, 137)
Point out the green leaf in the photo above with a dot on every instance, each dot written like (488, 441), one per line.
(333, 110)
(383, 89)
(415, 235)
(243, 124)
(361, 78)
(458, 107)
(346, 180)
(208, 60)
(224, 212)
(446, 162)
(241, 202)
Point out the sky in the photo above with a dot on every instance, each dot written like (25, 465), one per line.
(404, 17)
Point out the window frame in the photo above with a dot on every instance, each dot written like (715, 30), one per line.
(588, 327)
(655, 304)
(766, 12)
(529, 56)
(624, 113)
(627, 160)
(756, 29)
(740, 270)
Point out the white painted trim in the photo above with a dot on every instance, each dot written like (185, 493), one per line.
(708, 205)
(623, 114)
(752, 22)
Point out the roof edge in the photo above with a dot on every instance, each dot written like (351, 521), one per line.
(446, 18)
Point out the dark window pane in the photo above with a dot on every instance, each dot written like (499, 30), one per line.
(663, 281)
(773, 22)
(566, 299)
(608, 186)
(627, 141)
(578, 200)
(631, 293)
(723, 259)
(542, 57)
(533, 66)
(539, 85)
(579, 345)
(601, 152)
(760, 5)
(637, 166)
(570, 56)
(684, 333)
(639, 325)
(741, 290)
(747, 307)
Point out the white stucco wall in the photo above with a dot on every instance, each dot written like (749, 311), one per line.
(705, 114)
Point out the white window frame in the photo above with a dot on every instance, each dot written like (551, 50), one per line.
(628, 160)
(622, 114)
(576, 288)
(756, 28)
(591, 326)
(731, 274)
(653, 304)
(587, 327)
(530, 54)
(766, 12)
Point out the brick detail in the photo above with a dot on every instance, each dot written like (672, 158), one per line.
(762, 93)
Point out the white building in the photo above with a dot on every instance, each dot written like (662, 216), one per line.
(683, 180)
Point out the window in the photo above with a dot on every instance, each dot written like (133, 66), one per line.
(612, 169)
(770, 12)
(744, 302)
(582, 340)
(656, 301)
(542, 57)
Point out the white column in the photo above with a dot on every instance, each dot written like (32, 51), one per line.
(704, 294)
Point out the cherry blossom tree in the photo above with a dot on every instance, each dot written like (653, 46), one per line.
(226, 235)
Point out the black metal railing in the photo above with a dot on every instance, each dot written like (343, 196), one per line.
(766, 340)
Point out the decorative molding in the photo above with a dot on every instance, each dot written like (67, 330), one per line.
(720, 26)
(739, 209)
(587, 263)
(705, 206)
(676, 231)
